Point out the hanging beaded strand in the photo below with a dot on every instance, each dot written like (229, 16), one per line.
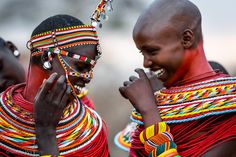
(100, 12)
(54, 42)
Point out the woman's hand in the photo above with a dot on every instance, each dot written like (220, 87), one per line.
(49, 105)
(139, 92)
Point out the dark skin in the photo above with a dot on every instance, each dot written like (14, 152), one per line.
(11, 71)
(156, 84)
(53, 95)
(169, 45)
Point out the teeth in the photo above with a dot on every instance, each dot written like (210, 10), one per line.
(78, 87)
(158, 73)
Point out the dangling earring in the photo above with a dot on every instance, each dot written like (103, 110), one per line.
(47, 60)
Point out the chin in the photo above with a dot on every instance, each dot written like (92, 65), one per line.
(162, 79)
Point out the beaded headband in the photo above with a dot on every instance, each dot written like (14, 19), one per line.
(64, 38)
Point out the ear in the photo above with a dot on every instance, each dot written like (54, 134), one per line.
(13, 48)
(188, 38)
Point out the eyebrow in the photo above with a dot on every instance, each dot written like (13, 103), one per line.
(150, 48)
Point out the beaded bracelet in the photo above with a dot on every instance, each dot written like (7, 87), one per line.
(158, 140)
(165, 147)
(170, 153)
(153, 130)
(156, 151)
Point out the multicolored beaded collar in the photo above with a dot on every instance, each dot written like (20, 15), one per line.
(193, 102)
(76, 131)
(187, 103)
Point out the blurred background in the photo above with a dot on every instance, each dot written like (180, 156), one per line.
(18, 18)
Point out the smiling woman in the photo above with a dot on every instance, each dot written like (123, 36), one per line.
(189, 116)
(11, 71)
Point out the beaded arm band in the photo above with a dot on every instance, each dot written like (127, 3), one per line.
(158, 141)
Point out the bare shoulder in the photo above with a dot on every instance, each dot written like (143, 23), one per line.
(226, 149)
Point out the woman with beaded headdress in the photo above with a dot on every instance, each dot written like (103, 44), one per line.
(51, 104)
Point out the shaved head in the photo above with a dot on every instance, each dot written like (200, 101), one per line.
(176, 15)
(164, 33)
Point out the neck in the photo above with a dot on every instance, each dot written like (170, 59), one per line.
(197, 64)
(36, 75)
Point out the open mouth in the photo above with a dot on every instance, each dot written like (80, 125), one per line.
(78, 88)
(158, 73)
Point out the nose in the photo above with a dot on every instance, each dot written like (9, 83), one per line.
(146, 62)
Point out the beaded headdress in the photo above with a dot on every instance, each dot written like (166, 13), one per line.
(54, 42)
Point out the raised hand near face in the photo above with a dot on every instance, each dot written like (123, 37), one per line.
(139, 92)
(156, 84)
(49, 105)
(50, 101)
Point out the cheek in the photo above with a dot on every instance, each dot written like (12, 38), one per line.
(171, 58)
(178, 59)
(176, 53)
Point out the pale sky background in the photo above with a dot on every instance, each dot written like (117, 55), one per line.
(120, 57)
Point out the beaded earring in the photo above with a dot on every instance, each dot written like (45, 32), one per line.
(46, 59)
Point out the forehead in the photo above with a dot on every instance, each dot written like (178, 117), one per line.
(153, 34)
(89, 51)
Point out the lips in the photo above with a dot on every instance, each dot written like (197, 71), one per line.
(158, 72)
(78, 87)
